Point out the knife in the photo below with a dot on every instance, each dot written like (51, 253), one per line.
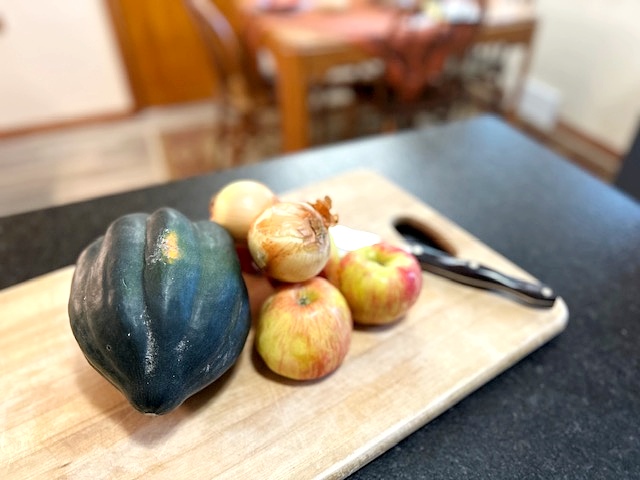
(436, 261)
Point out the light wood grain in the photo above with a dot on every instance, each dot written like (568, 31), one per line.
(61, 419)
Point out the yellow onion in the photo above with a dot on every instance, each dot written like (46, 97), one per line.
(290, 241)
(238, 204)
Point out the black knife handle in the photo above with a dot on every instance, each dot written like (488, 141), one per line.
(476, 275)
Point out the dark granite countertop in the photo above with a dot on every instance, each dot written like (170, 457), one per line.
(569, 410)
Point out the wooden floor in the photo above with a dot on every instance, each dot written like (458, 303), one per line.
(58, 167)
(62, 166)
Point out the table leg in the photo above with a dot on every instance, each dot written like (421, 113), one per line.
(508, 34)
(292, 89)
(511, 105)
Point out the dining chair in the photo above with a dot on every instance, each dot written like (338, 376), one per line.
(243, 94)
(247, 89)
(628, 177)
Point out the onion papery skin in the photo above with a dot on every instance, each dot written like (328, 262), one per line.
(290, 242)
(238, 204)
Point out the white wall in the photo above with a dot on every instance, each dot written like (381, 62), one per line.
(590, 51)
(58, 61)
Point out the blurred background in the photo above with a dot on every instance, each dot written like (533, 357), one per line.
(101, 96)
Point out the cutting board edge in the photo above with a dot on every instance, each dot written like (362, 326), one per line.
(393, 436)
(390, 436)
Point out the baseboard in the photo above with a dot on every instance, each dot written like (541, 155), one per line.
(564, 127)
(577, 146)
(67, 123)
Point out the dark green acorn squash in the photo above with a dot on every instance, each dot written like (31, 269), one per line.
(159, 307)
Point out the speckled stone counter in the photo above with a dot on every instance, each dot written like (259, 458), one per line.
(569, 410)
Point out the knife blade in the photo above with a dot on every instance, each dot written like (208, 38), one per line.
(466, 272)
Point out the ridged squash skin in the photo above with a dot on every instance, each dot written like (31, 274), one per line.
(158, 306)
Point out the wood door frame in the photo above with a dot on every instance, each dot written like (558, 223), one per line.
(171, 78)
(117, 22)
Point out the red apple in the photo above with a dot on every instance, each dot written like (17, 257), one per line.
(380, 282)
(330, 271)
(304, 330)
(247, 265)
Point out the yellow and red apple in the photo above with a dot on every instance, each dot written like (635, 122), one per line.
(330, 270)
(304, 329)
(380, 282)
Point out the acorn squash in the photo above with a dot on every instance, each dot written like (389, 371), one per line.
(158, 306)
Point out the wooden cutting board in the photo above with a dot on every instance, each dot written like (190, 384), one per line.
(59, 418)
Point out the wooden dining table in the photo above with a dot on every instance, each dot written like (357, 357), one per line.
(306, 42)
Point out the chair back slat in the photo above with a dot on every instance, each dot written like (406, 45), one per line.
(234, 67)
